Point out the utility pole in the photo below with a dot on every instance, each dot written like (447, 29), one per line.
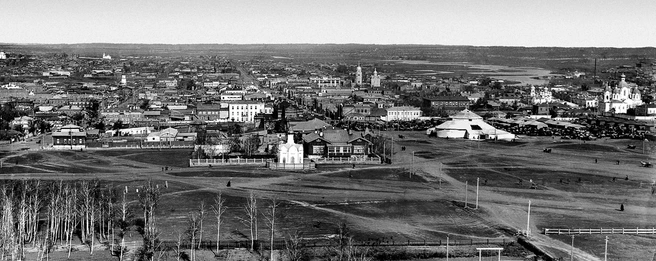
(384, 153)
(413, 163)
(477, 181)
(528, 220)
(447, 247)
(466, 194)
(392, 151)
(571, 255)
(606, 250)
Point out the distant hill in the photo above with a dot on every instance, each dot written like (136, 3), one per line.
(546, 57)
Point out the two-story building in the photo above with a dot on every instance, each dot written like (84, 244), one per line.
(211, 112)
(451, 104)
(125, 115)
(403, 113)
(244, 111)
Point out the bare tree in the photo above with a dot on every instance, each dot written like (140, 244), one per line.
(251, 144)
(149, 198)
(271, 220)
(218, 208)
(123, 223)
(250, 209)
(295, 247)
(178, 245)
(202, 212)
(192, 234)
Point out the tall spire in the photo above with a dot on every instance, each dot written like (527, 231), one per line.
(358, 75)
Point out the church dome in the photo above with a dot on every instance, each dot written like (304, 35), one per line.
(623, 83)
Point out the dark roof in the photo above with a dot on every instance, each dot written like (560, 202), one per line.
(335, 136)
(448, 98)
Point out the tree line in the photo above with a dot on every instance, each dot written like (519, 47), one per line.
(41, 216)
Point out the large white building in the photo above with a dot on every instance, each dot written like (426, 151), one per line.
(244, 111)
(404, 113)
(541, 95)
(375, 79)
(358, 76)
(620, 98)
(326, 82)
(468, 125)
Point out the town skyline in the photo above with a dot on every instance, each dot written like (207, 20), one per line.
(470, 23)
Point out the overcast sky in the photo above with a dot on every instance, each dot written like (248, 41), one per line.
(567, 23)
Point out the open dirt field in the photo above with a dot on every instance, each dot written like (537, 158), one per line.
(402, 201)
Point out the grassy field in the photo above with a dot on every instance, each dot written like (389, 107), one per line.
(404, 201)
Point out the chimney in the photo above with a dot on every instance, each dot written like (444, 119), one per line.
(290, 138)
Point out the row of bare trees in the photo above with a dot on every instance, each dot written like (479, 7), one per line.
(42, 215)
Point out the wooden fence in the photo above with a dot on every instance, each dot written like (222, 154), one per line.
(278, 244)
(219, 162)
(347, 160)
(577, 231)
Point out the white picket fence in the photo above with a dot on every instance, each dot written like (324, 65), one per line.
(347, 160)
(577, 231)
(218, 162)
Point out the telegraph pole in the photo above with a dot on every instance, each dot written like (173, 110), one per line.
(413, 163)
(447, 247)
(466, 194)
(571, 255)
(392, 151)
(477, 181)
(384, 148)
(606, 250)
(528, 220)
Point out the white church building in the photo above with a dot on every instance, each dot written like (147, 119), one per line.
(290, 153)
(620, 98)
(375, 79)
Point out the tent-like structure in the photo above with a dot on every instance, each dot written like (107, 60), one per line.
(468, 125)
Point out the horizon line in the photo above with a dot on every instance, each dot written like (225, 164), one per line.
(381, 44)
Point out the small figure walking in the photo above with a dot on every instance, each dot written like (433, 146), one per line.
(618, 162)
(595, 160)
(627, 177)
(228, 185)
(622, 207)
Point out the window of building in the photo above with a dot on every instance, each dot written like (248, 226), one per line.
(317, 149)
(358, 149)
